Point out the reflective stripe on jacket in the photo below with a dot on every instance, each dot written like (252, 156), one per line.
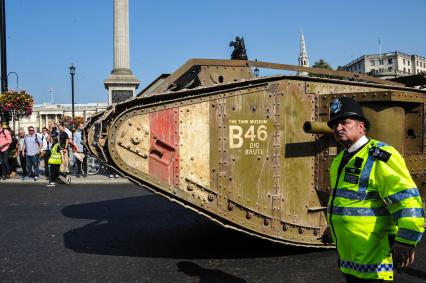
(55, 156)
(373, 197)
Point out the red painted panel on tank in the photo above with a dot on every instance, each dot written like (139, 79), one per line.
(164, 146)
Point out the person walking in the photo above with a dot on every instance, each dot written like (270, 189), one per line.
(13, 155)
(21, 152)
(31, 151)
(79, 149)
(55, 161)
(45, 150)
(5, 141)
(64, 140)
(375, 212)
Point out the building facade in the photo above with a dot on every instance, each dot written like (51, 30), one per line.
(46, 114)
(388, 65)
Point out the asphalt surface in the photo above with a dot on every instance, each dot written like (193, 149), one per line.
(121, 233)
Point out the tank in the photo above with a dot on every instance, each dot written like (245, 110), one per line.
(248, 152)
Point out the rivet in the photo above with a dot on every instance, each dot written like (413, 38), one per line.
(249, 214)
(230, 206)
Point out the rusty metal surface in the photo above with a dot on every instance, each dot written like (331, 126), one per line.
(235, 151)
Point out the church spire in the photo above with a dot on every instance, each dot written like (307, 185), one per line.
(303, 55)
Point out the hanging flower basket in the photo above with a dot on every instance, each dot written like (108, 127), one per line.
(70, 123)
(15, 104)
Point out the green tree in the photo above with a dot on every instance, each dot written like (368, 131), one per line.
(322, 64)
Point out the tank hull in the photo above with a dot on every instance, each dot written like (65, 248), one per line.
(236, 151)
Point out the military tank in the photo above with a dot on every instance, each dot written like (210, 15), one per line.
(248, 152)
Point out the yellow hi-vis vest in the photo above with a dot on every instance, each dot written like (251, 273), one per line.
(373, 197)
(55, 156)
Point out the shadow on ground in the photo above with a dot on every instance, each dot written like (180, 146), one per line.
(151, 226)
(206, 275)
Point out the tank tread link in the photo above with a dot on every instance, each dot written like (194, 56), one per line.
(251, 153)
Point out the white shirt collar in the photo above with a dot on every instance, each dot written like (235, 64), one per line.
(362, 140)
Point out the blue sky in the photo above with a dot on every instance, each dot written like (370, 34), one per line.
(46, 36)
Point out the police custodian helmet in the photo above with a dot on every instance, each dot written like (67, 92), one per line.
(345, 107)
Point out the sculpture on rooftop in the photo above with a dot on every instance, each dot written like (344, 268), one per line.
(239, 52)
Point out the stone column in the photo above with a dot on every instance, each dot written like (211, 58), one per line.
(121, 84)
(40, 122)
(47, 121)
(121, 36)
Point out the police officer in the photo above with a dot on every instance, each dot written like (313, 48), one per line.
(375, 211)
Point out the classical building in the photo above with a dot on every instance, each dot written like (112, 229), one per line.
(46, 114)
(303, 56)
(121, 84)
(388, 65)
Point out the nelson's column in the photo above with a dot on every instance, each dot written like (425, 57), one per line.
(121, 84)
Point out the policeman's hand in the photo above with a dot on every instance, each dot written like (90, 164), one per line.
(326, 236)
(402, 255)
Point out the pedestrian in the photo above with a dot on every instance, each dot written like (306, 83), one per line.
(31, 151)
(54, 130)
(5, 141)
(21, 152)
(13, 154)
(64, 139)
(79, 149)
(55, 162)
(375, 211)
(45, 150)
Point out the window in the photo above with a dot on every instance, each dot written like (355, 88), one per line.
(390, 61)
(408, 61)
(404, 70)
(417, 63)
(403, 61)
(390, 69)
(381, 62)
(409, 71)
(373, 63)
(373, 71)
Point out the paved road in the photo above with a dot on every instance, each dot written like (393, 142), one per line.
(120, 233)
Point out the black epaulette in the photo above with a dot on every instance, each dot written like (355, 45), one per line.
(380, 154)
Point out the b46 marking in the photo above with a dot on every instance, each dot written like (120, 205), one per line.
(248, 135)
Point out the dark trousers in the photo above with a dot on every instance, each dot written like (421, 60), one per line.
(82, 165)
(13, 163)
(4, 161)
(54, 172)
(46, 157)
(353, 279)
(23, 161)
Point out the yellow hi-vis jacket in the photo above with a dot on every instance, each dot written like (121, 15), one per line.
(373, 197)
(55, 156)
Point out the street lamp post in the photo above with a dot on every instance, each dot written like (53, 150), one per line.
(3, 46)
(72, 72)
(17, 79)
